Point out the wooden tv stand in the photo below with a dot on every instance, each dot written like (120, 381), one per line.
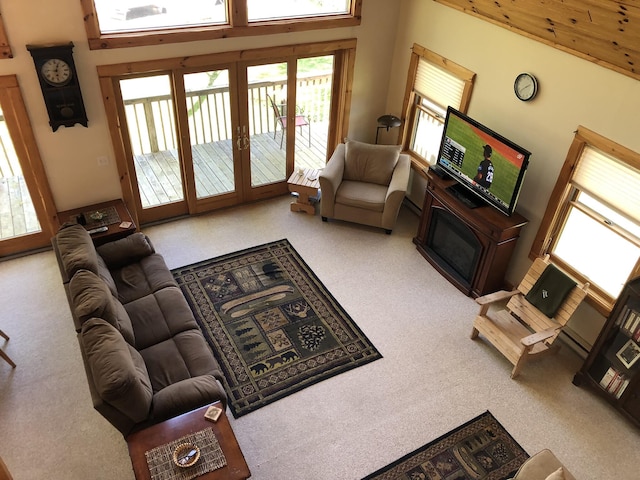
(490, 234)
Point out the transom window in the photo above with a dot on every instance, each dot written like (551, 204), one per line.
(126, 23)
(592, 224)
(436, 83)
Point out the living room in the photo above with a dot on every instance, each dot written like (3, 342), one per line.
(573, 92)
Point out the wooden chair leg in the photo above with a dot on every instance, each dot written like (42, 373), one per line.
(474, 333)
(521, 361)
(6, 357)
(2, 334)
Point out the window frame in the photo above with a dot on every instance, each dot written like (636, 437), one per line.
(238, 26)
(562, 200)
(411, 106)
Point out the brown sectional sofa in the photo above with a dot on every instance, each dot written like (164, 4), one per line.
(144, 355)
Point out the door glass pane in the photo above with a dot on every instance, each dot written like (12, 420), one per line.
(17, 213)
(133, 15)
(209, 114)
(263, 10)
(267, 122)
(148, 103)
(313, 107)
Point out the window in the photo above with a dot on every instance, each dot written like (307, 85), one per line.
(592, 224)
(436, 83)
(128, 23)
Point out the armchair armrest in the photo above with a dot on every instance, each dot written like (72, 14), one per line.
(494, 297)
(396, 191)
(538, 337)
(330, 179)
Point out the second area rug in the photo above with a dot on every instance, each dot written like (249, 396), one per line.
(481, 449)
(273, 326)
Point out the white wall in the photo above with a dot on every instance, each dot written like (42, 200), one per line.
(70, 155)
(573, 92)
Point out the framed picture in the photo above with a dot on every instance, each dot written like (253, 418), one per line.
(629, 353)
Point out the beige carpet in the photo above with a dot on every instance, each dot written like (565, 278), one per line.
(432, 377)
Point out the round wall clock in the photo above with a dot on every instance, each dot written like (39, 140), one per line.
(56, 71)
(525, 87)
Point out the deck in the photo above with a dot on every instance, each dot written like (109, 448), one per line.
(159, 174)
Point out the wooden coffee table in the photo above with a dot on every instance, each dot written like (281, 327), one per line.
(174, 428)
(306, 185)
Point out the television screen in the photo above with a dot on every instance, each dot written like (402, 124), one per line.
(482, 161)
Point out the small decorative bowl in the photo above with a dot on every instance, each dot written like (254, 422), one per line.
(186, 455)
(97, 216)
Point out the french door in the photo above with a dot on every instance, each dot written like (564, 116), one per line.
(27, 211)
(197, 138)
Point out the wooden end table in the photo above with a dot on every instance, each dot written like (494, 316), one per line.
(114, 230)
(306, 185)
(174, 428)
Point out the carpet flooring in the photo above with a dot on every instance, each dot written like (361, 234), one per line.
(481, 449)
(273, 326)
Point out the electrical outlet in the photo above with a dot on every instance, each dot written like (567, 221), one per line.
(103, 161)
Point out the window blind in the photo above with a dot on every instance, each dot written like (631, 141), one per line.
(438, 85)
(610, 180)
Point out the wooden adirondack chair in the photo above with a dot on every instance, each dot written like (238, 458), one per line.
(521, 331)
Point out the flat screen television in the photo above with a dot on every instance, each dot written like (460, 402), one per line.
(487, 167)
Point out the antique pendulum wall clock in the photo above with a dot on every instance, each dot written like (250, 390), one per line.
(59, 83)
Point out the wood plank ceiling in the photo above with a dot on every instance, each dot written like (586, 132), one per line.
(606, 32)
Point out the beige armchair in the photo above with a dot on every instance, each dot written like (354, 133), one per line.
(365, 184)
(543, 466)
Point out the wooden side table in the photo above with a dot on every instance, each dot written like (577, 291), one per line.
(174, 428)
(306, 185)
(114, 230)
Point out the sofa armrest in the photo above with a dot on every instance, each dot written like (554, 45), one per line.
(126, 250)
(330, 179)
(186, 395)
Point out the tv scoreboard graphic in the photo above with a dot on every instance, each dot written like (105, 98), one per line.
(453, 152)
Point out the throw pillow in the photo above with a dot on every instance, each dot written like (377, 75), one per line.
(557, 475)
(370, 163)
(550, 290)
(127, 250)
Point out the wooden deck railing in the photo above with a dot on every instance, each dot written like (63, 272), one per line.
(152, 123)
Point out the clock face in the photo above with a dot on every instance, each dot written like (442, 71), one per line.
(525, 86)
(56, 72)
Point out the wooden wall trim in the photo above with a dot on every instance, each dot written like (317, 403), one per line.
(605, 32)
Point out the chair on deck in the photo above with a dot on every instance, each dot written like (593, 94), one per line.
(280, 114)
(534, 315)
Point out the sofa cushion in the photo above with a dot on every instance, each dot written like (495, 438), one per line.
(76, 249)
(187, 395)
(126, 250)
(370, 163)
(91, 297)
(141, 278)
(186, 355)
(159, 316)
(369, 196)
(119, 372)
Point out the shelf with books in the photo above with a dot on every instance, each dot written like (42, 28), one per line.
(612, 367)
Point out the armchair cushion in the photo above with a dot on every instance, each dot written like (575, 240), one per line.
(370, 163)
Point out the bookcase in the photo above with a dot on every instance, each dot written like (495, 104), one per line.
(612, 367)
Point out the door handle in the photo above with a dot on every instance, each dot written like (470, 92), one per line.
(245, 139)
(239, 139)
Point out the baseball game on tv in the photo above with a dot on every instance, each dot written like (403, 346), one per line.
(488, 168)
